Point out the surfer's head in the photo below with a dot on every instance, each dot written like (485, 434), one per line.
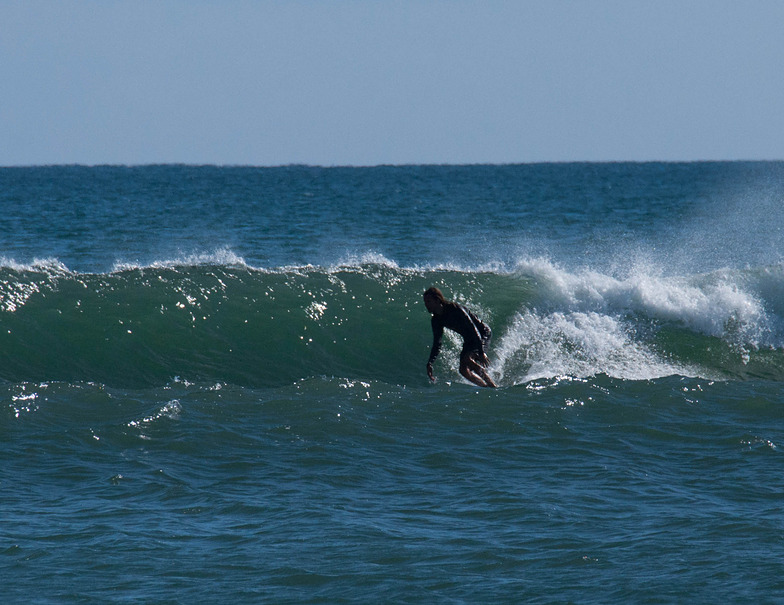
(434, 300)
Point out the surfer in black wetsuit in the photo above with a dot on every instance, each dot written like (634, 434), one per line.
(476, 336)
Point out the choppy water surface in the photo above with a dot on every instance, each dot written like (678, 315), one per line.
(214, 390)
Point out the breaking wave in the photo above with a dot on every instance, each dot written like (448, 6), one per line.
(215, 318)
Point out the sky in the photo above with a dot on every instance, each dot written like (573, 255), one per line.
(369, 82)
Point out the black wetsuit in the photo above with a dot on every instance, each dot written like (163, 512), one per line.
(476, 335)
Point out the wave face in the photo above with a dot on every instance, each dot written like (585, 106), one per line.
(218, 319)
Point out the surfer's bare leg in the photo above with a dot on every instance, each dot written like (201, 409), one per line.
(471, 370)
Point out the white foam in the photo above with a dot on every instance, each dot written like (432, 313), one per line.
(716, 304)
(366, 258)
(583, 322)
(50, 266)
(578, 344)
(224, 257)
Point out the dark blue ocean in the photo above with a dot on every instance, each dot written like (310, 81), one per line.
(214, 391)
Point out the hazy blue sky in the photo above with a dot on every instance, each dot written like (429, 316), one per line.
(371, 82)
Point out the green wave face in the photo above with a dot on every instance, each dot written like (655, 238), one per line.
(236, 324)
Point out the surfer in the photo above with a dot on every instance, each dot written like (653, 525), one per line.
(476, 336)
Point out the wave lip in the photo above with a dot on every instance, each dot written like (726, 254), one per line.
(222, 257)
(49, 266)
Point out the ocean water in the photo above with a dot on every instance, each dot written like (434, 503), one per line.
(213, 384)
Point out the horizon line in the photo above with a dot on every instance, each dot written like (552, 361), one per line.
(380, 165)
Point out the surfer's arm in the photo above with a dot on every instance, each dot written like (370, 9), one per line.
(438, 332)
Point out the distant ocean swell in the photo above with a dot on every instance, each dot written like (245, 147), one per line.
(228, 322)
